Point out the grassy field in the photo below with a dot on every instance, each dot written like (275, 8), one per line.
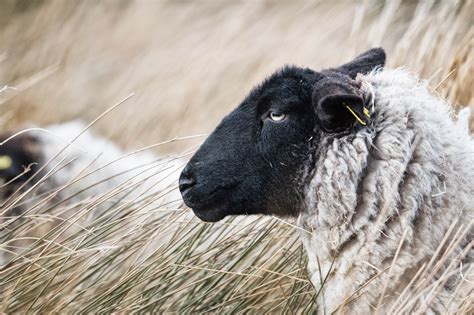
(188, 65)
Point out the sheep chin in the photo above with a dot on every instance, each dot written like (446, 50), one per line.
(213, 214)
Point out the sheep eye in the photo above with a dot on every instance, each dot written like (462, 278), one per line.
(277, 116)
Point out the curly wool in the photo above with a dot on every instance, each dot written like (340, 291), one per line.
(401, 184)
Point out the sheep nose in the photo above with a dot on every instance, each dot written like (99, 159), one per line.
(186, 180)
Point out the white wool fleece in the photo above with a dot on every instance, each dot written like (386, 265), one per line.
(412, 174)
(100, 166)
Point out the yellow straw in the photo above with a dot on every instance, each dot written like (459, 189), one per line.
(366, 112)
(355, 115)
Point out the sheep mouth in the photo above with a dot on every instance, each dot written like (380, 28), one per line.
(211, 206)
(207, 209)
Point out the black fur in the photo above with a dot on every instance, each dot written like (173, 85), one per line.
(251, 164)
(364, 63)
(24, 152)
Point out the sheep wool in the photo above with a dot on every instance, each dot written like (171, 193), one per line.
(381, 200)
(92, 165)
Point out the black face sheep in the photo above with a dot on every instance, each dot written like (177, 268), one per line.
(89, 176)
(90, 163)
(372, 166)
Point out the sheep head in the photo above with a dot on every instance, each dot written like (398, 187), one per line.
(18, 162)
(258, 158)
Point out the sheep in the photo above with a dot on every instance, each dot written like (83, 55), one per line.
(45, 168)
(89, 156)
(369, 164)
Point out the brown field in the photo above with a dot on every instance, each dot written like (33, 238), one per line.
(189, 63)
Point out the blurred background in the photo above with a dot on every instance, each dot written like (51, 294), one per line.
(191, 62)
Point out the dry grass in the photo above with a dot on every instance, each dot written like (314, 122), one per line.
(189, 64)
(111, 253)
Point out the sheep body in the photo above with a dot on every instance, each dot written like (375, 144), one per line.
(379, 177)
(401, 184)
(102, 163)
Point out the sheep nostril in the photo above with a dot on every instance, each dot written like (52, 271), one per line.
(187, 180)
(186, 183)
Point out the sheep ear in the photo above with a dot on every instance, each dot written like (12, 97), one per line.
(364, 63)
(339, 112)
